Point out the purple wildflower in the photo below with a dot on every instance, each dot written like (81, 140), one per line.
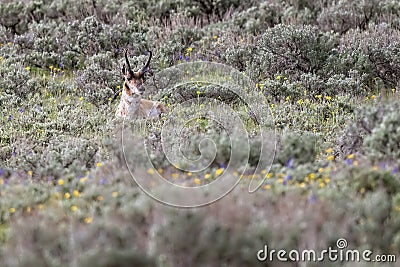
(286, 179)
(289, 163)
(312, 199)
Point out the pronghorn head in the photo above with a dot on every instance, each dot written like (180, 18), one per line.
(134, 80)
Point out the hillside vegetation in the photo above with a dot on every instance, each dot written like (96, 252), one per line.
(326, 72)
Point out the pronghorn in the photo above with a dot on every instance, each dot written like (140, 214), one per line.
(131, 103)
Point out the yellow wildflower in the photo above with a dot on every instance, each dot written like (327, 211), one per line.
(67, 195)
(219, 171)
(12, 210)
(61, 182)
(88, 220)
(197, 181)
(76, 193)
(74, 208)
(114, 194)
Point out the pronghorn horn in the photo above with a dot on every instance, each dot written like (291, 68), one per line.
(146, 66)
(127, 62)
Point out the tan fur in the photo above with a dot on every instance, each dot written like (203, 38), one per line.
(150, 109)
(133, 104)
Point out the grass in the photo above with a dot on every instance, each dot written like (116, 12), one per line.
(67, 193)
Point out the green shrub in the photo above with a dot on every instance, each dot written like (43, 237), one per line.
(345, 15)
(292, 50)
(383, 141)
(101, 80)
(374, 132)
(259, 17)
(367, 53)
(300, 148)
(16, 81)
